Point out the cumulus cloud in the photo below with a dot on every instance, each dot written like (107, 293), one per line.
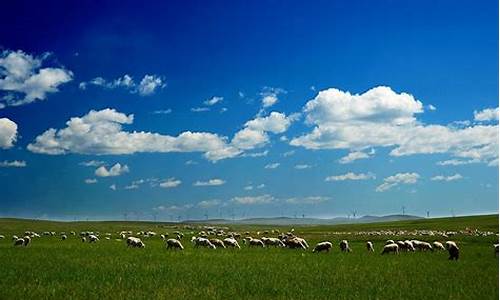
(90, 180)
(381, 117)
(356, 155)
(272, 166)
(211, 182)
(311, 200)
(350, 176)
(302, 166)
(208, 203)
(399, 178)
(23, 80)
(13, 164)
(148, 85)
(212, 101)
(170, 183)
(253, 200)
(457, 162)
(8, 133)
(115, 170)
(92, 163)
(488, 114)
(447, 178)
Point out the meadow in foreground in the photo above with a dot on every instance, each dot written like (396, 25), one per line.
(51, 268)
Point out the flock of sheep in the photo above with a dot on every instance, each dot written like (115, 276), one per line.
(212, 238)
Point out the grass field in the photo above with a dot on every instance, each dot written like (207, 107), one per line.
(51, 268)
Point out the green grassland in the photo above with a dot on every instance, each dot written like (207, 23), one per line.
(51, 268)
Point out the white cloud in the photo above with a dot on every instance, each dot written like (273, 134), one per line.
(13, 164)
(199, 109)
(208, 203)
(260, 186)
(350, 176)
(90, 180)
(211, 182)
(356, 155)
(381, 117)
(162, 111)
(148, 85)
(253, 200)
(447, 178)
(173, 208)
(269, 97)
(431, 107)
(488, 114)
(248, 188)
(212, 101)
(457, 162)
(24, 80)
(399, 178)
(311, 200)
(248, 139)
(170, 183)
(255, 154)
(302, 166)
(272, 166)
(113, 187)
(191, 162)
(132, 186)
(8, 133)
(92, 163)
(115, 170)
(289, 153)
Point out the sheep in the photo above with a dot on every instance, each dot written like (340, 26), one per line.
(256, 242)
(27, 241)
(453, 251)
(173, 243)
(449, 244)
(217, 243)
(2, 236)
(495, 246)
(438, 246)
(14, 237)
(344, 246)
(64, 237)
(19, 242)
(273, 242)
(294, 243)
(323, 246)
(84, 239)
(388, 242)
(203, 242)
(369, 246)
(409, 246)
(230, 242)
(93, 238)
(135, 242)
(391, 248)
(423, 246)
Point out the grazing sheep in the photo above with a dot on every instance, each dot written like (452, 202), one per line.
(64, 237)
(344, 246)
(93, 238)
(2, 236)
(14, 237)
(389, 242)
(273, 242)
(409, 246)
(438, 246)
(218, 243)
(173, 243)
(423, 246)
(230, 242)
(495, 246)
(323, 246)
(19, 242)
(84, 239)
(453, 251)
(203, 242)
(135, 242)
(401, 245)
(449, 244)
(256, 243)
(369, 246)
(27, 241)
(294, 243)
(391, 248)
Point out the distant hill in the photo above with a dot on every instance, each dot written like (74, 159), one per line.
(307, 221)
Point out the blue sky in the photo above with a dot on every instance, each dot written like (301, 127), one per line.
(243, 109)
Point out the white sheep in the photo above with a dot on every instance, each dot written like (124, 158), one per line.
(231, 242)
(203, 242)
(64, 237)
(369, 246)
(495, 246)
(323, 246)
(438, 246)
(391, 248)
(273, 242)
(409, 246)
(453, 251)
(217, 243)
(19, 242)
(27, 241)
(256, 243)
(93, 238)
(84, 239)
(173, 243)
(388, 242)
(135, 242)
(344, 246)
